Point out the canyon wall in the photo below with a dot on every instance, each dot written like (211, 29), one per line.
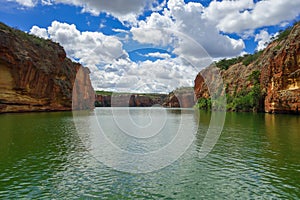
(180, 98)
(280, 74)
(278, 67)
(36, 75)
(129, 100)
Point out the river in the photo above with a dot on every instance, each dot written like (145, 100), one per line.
(50, 156)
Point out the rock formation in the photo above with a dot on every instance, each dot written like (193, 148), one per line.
(180, 98)
(129, 100)
(36, 75)
(279, 75)
(103, 100)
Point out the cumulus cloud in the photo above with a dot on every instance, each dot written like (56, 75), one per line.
(92, 49)
(153, 30)
(25, 3)
(228, 16)
(263, 38)
(159, 55)
(111, 68)
(127, 10)
(147, 76)
(40, 32)
(242, 15)
(46, 2)
(186, 19)
(89, 48)
(190, 31)
(123, 10)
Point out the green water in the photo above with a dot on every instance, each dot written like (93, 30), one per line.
(257, 156)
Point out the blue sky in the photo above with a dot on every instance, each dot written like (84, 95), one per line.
(150, 45)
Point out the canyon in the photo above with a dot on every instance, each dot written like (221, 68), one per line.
(36, 75)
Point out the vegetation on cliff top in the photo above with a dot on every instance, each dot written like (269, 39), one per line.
(247, 59)
(104, 93)
(45, 43)
(109, 93)
(106, 97)
(249, 98)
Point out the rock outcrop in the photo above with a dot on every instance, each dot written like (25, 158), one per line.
(279, 75)
(36, 75)
(180, 98)
(129, 100)
(102, 100)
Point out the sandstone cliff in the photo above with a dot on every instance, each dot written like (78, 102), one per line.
(36, 75)
(280, 74)
(180, 98)
(129, 100)
(266, 81)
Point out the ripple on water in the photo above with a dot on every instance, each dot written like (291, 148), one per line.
(49, 161)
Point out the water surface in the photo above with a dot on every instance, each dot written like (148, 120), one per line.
(257, 156)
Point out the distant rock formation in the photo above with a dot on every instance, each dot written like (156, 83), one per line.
(129, 100)
(277, 72)
(180, 98)
(36, 75)
(102, 100)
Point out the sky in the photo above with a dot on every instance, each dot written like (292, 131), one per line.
(151, 45)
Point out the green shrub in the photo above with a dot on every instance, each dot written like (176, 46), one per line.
(246, 60)
(283, 34)
(203, 104)
(254, 77)
(226, 63)
(104, 92)
(249, 58)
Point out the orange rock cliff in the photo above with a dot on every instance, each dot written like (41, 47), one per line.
(279, 75)
(36, 75)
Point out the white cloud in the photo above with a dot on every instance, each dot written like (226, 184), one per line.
(46, 2)
(127, 10)
(188, 30)
(25, 3)
(188, 20)
(148, 76)
(109, 71)
(152, 30)
(119, 30)
(263, 38)
(40, 32)
(158, 55)
(90, 48)
(234, 16)
(242, 15)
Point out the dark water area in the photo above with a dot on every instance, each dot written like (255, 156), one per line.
(42, 156)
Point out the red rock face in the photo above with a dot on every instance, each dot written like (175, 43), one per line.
(280, 74)
(179, 99)
(130, 100)
(200, 87)
(83, 96)
(35, 75)
(103, 100)
(279, 65)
